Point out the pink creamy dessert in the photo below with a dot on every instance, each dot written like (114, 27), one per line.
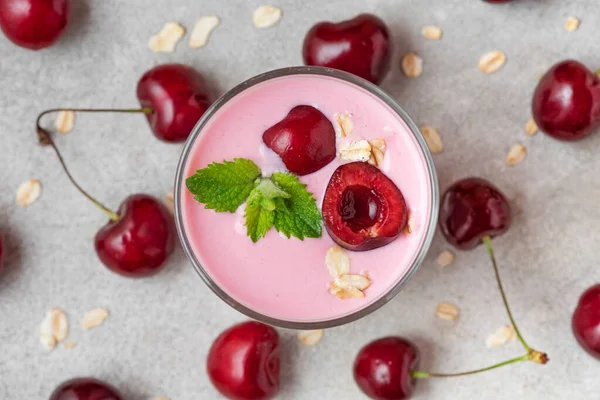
(282, 278)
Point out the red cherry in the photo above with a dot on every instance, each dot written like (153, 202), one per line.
(362, 208)
(34, 24)
(140, 241)
(586, 321)
(85, 389)
(178, 96)
(243, 362)
(304, 139)
(382, 368)
(360, 46)
(566, 102)
(472, 208)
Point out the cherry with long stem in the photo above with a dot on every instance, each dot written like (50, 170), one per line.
(138, 239)
(531, 355)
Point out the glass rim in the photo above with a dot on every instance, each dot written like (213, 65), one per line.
(369, 87)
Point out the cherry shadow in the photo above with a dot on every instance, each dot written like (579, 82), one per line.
(13, 256)
(79, 22)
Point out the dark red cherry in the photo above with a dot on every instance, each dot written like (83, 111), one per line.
(360, 46)
(362, 208)
(382, 368)
(140, 241)
(304, 139)
(471, 209)
(243, 362)
(586, 321)
(85, 389)
(34, 24)
(566, 102)
(179, 97)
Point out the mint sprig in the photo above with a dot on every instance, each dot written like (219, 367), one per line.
(280, 201)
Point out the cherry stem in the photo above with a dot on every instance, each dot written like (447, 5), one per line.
(488, 244)
(145, 110)
(46, 139)
(597, 72)
(426, 375)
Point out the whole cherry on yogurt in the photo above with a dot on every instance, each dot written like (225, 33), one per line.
(243, 362)
(34, 24)
(586, 321)
(172, 96)
(566, 102)
(304, 139)
(138, 239)
(85, 389)
(361, 46)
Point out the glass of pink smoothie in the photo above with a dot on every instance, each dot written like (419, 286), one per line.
(281, 281)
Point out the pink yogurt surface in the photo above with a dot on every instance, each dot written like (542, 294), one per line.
(287, 278)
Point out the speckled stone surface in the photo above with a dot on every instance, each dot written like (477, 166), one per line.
(159, 331)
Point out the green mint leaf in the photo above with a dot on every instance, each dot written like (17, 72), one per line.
(224, 186)
(297, 215)
(270, 190)
(259, 214)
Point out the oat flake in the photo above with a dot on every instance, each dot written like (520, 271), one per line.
(202, 30)
(94, 318)
(310, 338)
(266, 16)
(28, 192)
(492, 61)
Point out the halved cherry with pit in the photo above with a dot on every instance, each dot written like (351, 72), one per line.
(363, 209)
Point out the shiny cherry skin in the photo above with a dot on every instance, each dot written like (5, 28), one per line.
(586, 321)
(179, 97)
(85, 389)
(566, 102)
(304, 139)
(361, 46)
(243, 362)
(382, 368)
(140, 241)
(34, 24)
(471, 209)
